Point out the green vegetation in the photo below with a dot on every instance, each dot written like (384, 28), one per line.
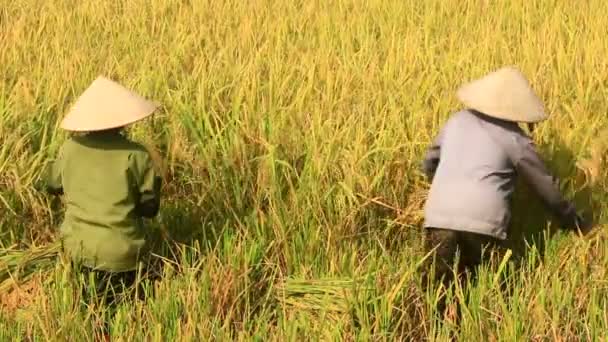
(291, 134)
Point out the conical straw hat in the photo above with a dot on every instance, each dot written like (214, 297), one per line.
(503, 94)
(105, 105)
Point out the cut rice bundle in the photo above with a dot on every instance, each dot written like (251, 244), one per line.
(18, 266)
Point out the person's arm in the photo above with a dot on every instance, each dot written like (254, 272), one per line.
(148, 186)
(530, 165)
(431, 159)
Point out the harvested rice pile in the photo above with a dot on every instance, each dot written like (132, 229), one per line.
(19, 266)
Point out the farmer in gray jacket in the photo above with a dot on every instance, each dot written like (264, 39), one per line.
(473, 164)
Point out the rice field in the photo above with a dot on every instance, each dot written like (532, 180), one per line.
(291, 137)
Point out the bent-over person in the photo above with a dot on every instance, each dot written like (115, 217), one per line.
(109, 184)
(473, 164)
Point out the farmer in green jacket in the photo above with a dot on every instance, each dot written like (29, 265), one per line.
(109, 184)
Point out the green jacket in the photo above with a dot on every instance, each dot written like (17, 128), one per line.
(109, 184)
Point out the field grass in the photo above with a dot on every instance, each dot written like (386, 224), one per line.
(292, 134)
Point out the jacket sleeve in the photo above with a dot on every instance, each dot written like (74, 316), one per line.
(431, 159)
(148, 186)
(530, 165)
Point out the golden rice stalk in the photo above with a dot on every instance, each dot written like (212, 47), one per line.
(594, 164)
(329, 297)
(17, 266)
(157, 159)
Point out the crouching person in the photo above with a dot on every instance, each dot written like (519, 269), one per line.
(109, 184)
(473, 164)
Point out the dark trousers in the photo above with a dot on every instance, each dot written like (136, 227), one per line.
(108, 290)
(469, 248)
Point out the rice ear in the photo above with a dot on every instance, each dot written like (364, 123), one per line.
(592, 166)
(17, 266)
(158, 160)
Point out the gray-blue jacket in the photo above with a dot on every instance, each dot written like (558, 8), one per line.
(473, 163)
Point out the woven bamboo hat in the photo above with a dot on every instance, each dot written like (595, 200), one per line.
(105, 105)
(504, 94)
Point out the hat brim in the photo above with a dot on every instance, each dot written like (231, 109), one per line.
(107, 105)
(504, 94)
